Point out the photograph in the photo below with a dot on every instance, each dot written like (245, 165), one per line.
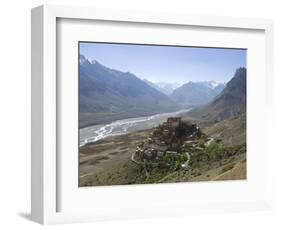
(151, 114)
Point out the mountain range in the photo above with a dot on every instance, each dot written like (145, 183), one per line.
(107, 95)
(164, 87)
(230, 103)
(197, 93)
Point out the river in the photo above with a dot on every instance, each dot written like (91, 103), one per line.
(119, 127)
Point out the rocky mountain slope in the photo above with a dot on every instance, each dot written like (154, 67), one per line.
(197, 93)
(107, 94)
(231, 101)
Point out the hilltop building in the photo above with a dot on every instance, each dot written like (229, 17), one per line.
(173, 136)
(173, 122)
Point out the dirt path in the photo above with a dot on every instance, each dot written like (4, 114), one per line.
(238, 172)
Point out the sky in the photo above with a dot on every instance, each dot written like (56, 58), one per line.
(169, 64)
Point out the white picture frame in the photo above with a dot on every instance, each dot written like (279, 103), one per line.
(46, 181)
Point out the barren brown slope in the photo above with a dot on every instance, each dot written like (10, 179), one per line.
(238, 172)
(231, 101)
(231, 132)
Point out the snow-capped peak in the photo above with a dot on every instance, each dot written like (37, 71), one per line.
(92, 61)
(214, 84)
(83, 59)
(172, 86)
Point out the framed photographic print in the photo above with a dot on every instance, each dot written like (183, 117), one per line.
(160, 129)
(140, 114)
